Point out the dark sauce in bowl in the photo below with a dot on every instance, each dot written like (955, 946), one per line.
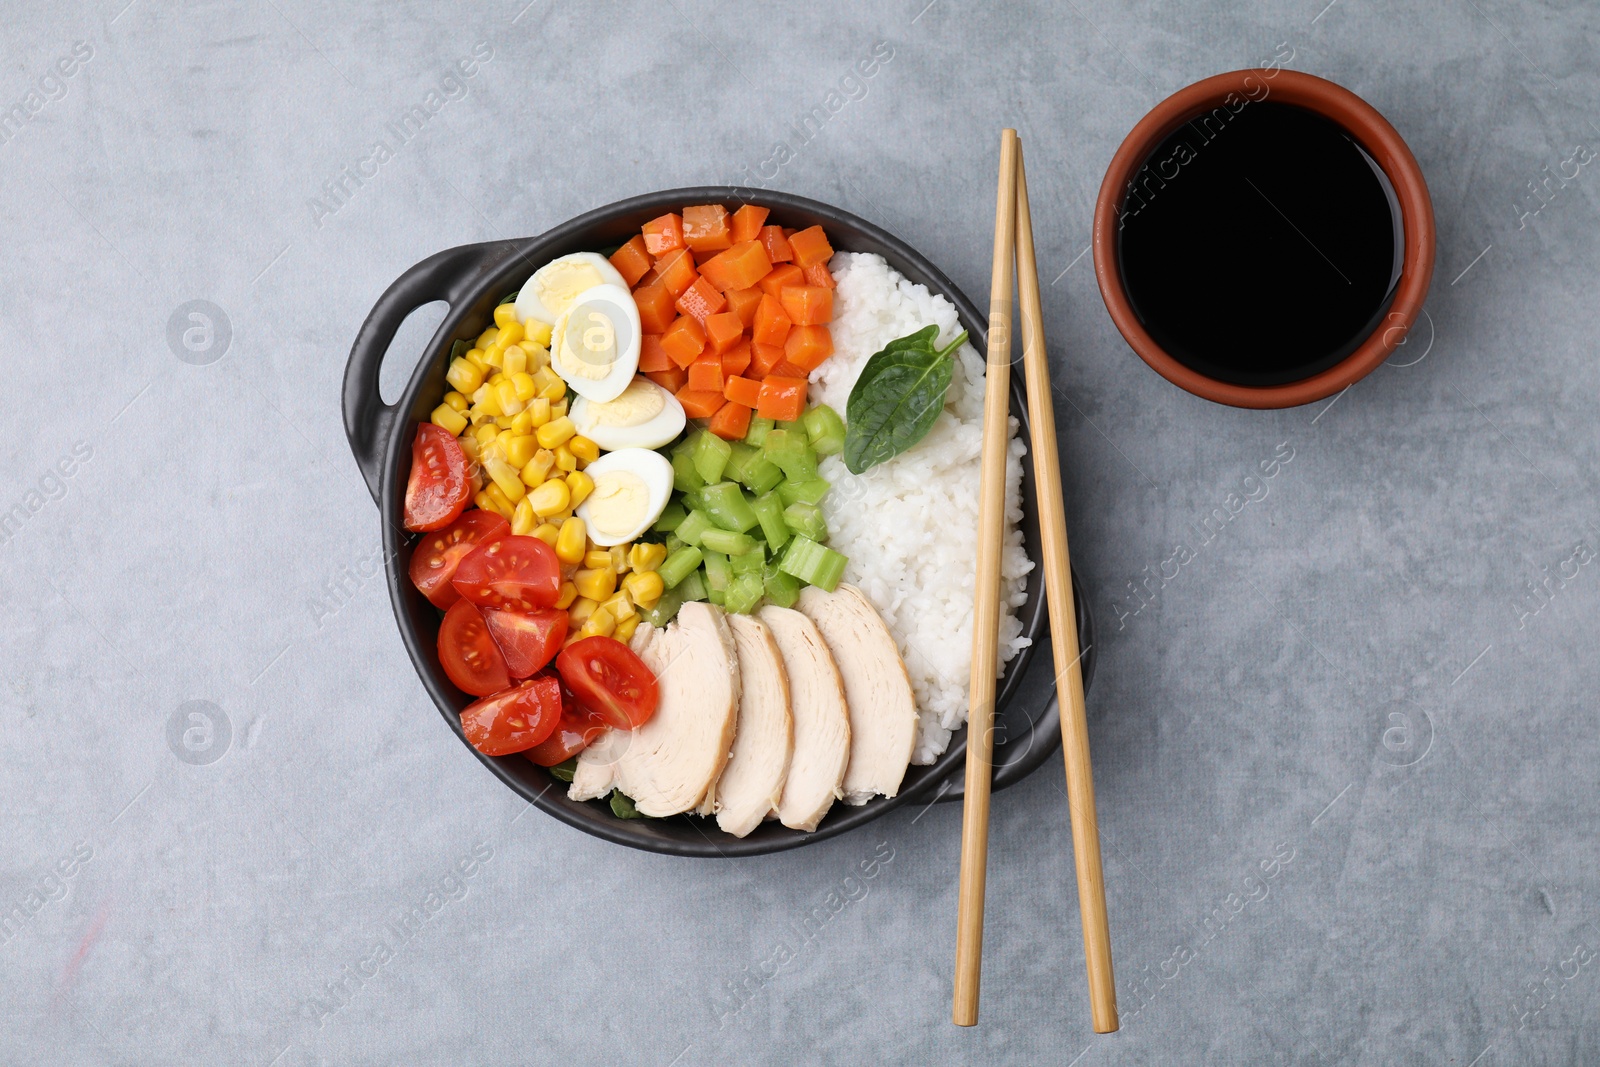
(1260, 246)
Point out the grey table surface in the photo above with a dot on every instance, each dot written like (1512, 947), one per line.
(1346, 754)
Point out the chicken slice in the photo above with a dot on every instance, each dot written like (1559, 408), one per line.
(751, 785)
(668, 765)
(820, 716)
(883, 711)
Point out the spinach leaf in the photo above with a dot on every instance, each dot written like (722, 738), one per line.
(460, 348)
(563, 772)
(897, 398)
(512, 299)
(622, 807)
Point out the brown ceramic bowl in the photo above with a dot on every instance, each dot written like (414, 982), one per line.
(1370, 130)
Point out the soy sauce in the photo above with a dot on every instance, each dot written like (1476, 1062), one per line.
(1260, 246)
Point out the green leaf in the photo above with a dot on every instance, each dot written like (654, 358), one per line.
(512, 299)
(460, 348)
(897, 398)
(622, 807)
(562, 772)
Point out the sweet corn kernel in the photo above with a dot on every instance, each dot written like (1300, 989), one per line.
(565, 460)
(645, 587)
(563, 517)
(502, 422)
(505, 313)
(520, 448)
(600, 623)
(483, 500)
(619, 605)
(596, 583)
(488, 337)
(597, 558)
(506, 479)
(478, 415)
(551, 498)
(496, 378)
(495, 355)
(449, 418)
(619, 558)
(537, 469)
(537, 332)
(463, 375)
(515, 361)
(485, 401)
(584, 448)
(469, 445)
(581, 609)
(625, 628)
(555, 432)
(546, 531)
(558, 407)
(569, 546)
(457, 401)
(474, 356)
(646, 556)
(538, 410)
(522, 519)
(581, 485)
(522, 422)
(486, 433)
(568, 594)
(510, 402)
(523, 383)
(510, 334)
(490, 498)
(554, 391)
(538, 355)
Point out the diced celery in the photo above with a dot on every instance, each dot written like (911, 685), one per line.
(663, 610)
(671, 515)
(806, 519)
(769, 512)
(740, 457)
(813, 563)
(684, 477)
(744, 593)
(795, 424)
(716, 596)
(673, 543)
(825, 429)
(749, 562)
(676, 567)
(692, 587)
(727, 542)
(805, 491)
(782, 589)
(757, 432)
(710, 456)
(726, 504)
(694, 524)
(718, 573)
(763, 476)
(791, 450)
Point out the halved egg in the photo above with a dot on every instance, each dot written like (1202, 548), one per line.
(595, 343)
(631, 490)
(643, 416)
(554, 287)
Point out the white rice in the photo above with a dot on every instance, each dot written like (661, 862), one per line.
(910, 525)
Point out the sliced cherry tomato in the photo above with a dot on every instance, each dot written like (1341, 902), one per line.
(440, 484)
(608, 678)
(515, 720)
(468, 654)
(516, 573)
(437, 555)
(575, 732)
(527, 639)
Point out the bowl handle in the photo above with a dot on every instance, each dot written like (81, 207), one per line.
(447, 276)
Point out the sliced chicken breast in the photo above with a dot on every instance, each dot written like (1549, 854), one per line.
(751, 785)
(883, 711)
(821, 719)
(670, 764)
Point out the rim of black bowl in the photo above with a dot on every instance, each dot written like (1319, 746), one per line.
(497, 269)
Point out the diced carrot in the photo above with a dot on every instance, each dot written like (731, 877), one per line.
(700, 300)
(763, 358)
(739, 267)
(783, 399)
(632, 260)
(789, 231)
(683, 341)
(645, 279)
(736, 359)
(807, 305)
(677, 271)
(746, 391)
(818, 274)
(772, 324)
(807, 346)
(652, 357)
(672, 379)
(655, 307)
(811, 246)
(701, 258)
(786, 275)
(743, 303)
(705, 227)
(722, 330)
(747, 222)
(663, 235)
(785, 369)
(706, 373)
(731, 422)
(700, 403)
(777, 245)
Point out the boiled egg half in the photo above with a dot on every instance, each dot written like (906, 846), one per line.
(643, 416)
(595, 343)
(631, 489)
(554, 287)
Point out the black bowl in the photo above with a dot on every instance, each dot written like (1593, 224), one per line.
(472, 279)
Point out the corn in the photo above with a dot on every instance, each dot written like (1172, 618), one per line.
(558, 407)
(600, 623)
(483, 500)
(538, 410)
(568, 594)
(584, 448)
(478, 415)
(502, 422)
(495, 356)
(538, 355)
(487, 337)
(596, 558)
(474, 356)
(555, 432)
(486, 401)
(553, 392)
(491, 499)
(580, 610)
(486, 434)
(469, 445)
(551, 498)
(537, 332)
(569, 546)
(522, 519)
(545, 531)
(645, 587)
(523, 384)
(520, 448)
(544, 376)
(619, 605)
(581, 485)
(504, 314)
(449, 418)
(507, 480)
(515, 361)
(619, 558)
(457, 401)
(562, 517)
(510, 334)
(596, 583)
(625, 628)
(510, 403)
(537, 469)
(463, 375)
(646, 556)
(522, 423)
(565, 460)
(496, 378)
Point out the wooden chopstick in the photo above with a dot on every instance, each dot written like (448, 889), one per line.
(1063, 627)
(986, 597)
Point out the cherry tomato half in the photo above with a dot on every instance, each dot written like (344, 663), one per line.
(516, 573)
(468, 654)
(440, 483)
(608, 678)
(527, 639)
(437, 555)
(575, 732)
(515, 720)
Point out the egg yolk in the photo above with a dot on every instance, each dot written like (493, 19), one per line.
(587, 346)
(619, 502)
(559, 285)
(638, 404)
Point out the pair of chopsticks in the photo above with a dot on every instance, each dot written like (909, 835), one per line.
(1013, 246)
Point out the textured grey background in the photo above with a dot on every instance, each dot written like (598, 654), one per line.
(1352, 674)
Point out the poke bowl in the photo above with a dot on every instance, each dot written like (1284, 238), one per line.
(475, 280)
